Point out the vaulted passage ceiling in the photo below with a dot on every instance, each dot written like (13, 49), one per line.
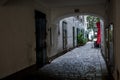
(2, 2)
(69, 3)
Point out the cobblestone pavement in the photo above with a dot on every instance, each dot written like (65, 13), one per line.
(82, 63)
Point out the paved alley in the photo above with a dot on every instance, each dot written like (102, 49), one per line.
(82, 63)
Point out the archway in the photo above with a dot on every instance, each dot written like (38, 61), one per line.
(64, 14)
(103, 21)
(56, 20)
(83, 61)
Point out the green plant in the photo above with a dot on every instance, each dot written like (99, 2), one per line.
(80, 39)
(92, 20)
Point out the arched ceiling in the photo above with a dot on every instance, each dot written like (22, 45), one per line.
(69, 3)
(2, 2)
(71, 15)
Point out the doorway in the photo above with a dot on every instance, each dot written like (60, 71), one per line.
(78, 31)
(40, 27)
(73, 36)
(64, 29)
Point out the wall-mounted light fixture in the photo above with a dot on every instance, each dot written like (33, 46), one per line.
(76, 10)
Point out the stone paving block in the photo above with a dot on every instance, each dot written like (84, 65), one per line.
(82, 62)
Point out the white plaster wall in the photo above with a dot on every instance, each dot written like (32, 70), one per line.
(114, 17)
(60, 38)
(102, 37)
(116, 22)
(17, 31)
(53, 48)
(70, 25)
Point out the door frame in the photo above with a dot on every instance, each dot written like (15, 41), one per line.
(40, 32)
(64, 34)
(73, 36)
